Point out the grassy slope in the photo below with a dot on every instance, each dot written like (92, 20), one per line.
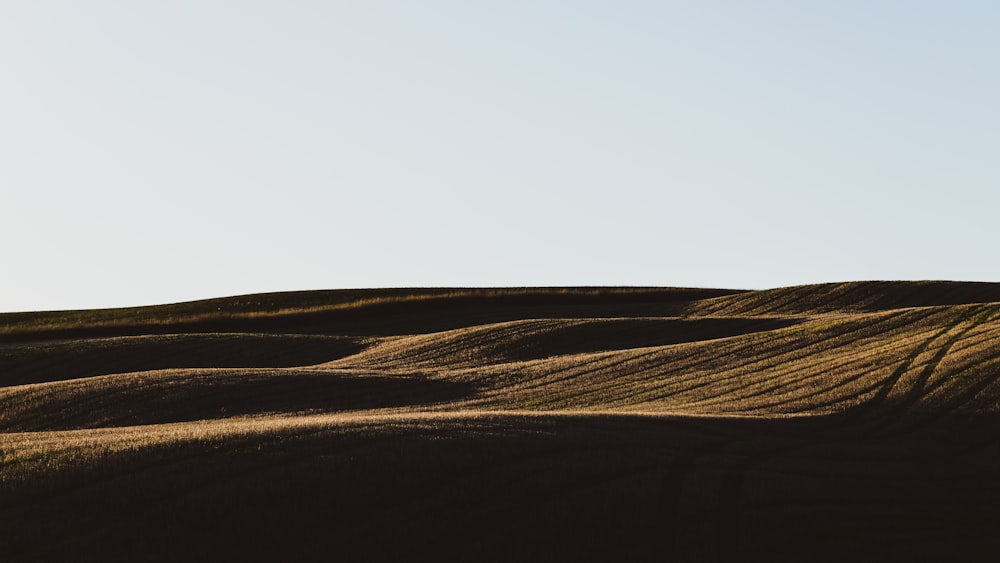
(840, 421)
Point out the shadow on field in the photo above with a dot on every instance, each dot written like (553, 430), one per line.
(532, 489)
(221, 396)
(69, 359)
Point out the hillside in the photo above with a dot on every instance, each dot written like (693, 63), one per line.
(826, 422)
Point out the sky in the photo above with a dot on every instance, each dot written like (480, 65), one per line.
(155, 152)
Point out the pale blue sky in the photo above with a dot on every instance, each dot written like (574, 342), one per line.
(153, 152)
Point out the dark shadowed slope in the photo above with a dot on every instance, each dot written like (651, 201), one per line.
(37, 362)
(504, 486)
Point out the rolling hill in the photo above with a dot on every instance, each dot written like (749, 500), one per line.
(825, 422)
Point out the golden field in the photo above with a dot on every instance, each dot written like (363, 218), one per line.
(828, 422)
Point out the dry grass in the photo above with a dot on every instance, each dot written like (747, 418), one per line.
(840, 421)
